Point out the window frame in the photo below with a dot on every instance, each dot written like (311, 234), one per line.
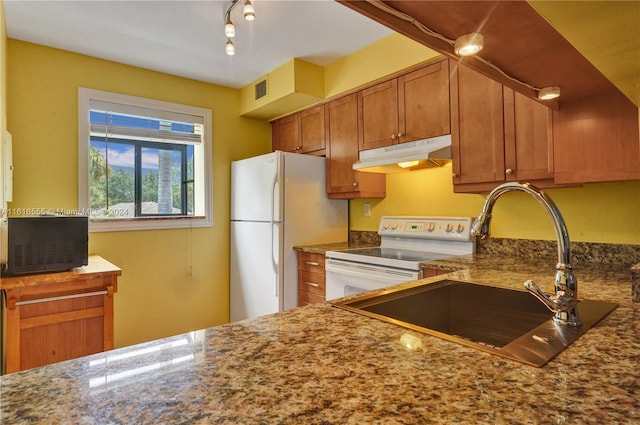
(204, 209)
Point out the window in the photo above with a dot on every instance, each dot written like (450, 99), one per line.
(143, 164)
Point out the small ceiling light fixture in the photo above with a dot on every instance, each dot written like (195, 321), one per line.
(249, 11)
(229, 48)
(229, 28)
(548, 93)
(469, 44)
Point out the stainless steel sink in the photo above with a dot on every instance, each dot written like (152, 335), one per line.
(506, 322)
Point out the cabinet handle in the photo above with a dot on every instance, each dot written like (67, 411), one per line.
(399, 135)
(393, 136)
(312, 263)
(315, 285)
(508, 171)
(454, 175)
(355, 184)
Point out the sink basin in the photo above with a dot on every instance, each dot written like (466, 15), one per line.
(506, 322)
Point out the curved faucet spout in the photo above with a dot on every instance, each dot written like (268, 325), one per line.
(563, 302)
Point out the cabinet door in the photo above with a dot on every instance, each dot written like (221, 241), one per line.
(285, 133)
(378, 115)
(477, 134)
(528, 138)
(312, 131)
(423, 103)
(342, 152)
(596, 140)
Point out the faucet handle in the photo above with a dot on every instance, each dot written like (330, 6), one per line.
(559, 303)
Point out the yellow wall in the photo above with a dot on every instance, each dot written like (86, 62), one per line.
(156, 296)
(598, 212)
(384, 57)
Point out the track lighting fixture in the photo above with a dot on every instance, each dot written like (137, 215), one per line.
(249, 14)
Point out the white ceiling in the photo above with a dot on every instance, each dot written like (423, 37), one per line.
(186, 38)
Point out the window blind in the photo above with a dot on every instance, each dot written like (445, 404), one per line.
(113, 120)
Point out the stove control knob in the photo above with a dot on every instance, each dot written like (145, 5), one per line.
(394, 225)
(431, 227)
(460, 228)
(449, 228)
(385, 224)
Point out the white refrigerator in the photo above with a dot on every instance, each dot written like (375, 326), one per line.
(278, 201)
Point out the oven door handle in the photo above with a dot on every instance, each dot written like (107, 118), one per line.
(366, 271)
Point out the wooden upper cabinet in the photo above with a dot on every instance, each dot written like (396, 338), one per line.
(423, 103)
(285, 133)
(302, 132)
(498, 135)
(343, 182)
(411, 107)
(378, 115)
(596, 139)
(312, 130)
(477, 133)
(528, 138)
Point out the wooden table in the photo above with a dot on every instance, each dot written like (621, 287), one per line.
(59, 316)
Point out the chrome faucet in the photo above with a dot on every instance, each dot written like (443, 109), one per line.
(563, 302)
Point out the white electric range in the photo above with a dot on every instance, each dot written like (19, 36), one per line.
(406, 243)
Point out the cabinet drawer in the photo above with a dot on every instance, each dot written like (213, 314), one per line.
(311, 262)
(311, 282)
(306, 298)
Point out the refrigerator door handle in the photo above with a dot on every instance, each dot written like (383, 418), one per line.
(274, 254)
(275, 196)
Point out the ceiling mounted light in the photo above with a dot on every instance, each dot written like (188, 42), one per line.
(229, 48)
(548, 93)
(469, 44)
(229, 28)
(249, 11)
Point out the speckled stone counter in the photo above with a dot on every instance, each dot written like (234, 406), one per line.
(322, 365)
(635, 282)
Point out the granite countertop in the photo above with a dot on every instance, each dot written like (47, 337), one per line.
(335, 246)
(322, 365)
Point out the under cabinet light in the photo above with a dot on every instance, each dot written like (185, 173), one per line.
(408, 164)
(548, 93)
(469, 44)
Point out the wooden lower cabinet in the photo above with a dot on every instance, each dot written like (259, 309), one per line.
(51, 317)
(431, 272)
(311, 278)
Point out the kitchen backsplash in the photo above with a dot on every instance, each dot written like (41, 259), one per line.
(581, 252)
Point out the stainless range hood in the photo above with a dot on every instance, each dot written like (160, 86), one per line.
(433, 152)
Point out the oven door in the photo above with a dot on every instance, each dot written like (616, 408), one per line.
(345, 278)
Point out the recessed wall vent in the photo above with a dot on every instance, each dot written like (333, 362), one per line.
(261, 89)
